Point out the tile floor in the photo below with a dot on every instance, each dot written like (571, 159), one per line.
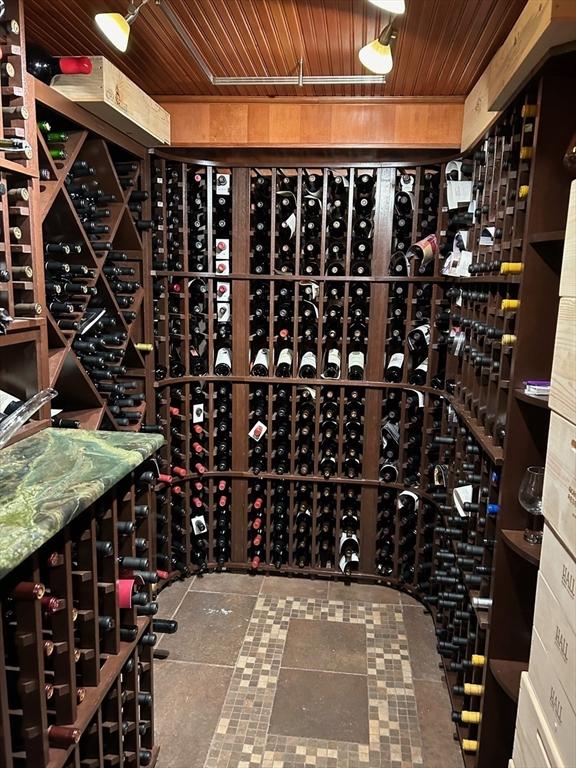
(272, 672)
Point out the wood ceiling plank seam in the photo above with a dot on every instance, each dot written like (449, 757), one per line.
(445, 41)
(469, 41)
(425, 23)
(422, 63)
(469, 76)
(210, 35)
(416, 32)
(260, 67)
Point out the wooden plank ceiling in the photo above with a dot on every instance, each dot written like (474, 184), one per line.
(442, 46)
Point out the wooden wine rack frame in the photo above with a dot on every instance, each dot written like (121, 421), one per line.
(109, 688)
(34, 354)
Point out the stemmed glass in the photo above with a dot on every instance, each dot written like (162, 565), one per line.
(530, 497)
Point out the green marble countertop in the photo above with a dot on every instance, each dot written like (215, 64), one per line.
(47, 479)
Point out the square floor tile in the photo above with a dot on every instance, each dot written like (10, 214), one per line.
(211, 627)
(281, 586)
(187, 703)
(171, 597)
(325, 645)
(321, 705)
(436, 728)
(362, 593)
(235, 583)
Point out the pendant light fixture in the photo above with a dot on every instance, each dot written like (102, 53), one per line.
(116, 28)
(377, 55)
(395, 7)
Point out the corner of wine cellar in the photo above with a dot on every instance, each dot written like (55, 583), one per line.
(287, 384)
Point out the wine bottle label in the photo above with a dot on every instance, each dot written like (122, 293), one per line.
(308, 358)
(291, 224)
(420, 396)
(224, 357)
(310, 391)
(390, 430)
(345, 559)
(423, 366)
(311, 291)
(311, 305)
(390, 470)
(222, 248)
(285, 357)
(261, 358)
(333, 358)
(223, 184)
(408, 494)
(419, 336)
(356, 358)
(349, 539)
(396, 361)
(258, 431)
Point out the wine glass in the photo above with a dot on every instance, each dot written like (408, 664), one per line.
(530, 497)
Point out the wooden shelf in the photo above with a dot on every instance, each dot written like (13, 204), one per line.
(495, 452)
(538, 401)
(507, 674)
(545, 238)
(516, 541)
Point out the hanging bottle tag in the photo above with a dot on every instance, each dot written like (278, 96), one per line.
(222, 268)
(199, 525)
(407, 182)
(223, 291)
(310, 390)
(222, 248)
(197, 413)
(223, 312)
(258, 431)
(223, 184)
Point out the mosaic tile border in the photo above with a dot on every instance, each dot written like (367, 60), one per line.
(241, 738)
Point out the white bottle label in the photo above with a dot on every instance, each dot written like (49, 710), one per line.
(345, 537)
(258, 431)
(333, 358)
(308, 358)
(291, 221)
(423, 366)
(397, 360)
(420, 396)
(261, 358)
(356, 358)
(343, 562)
(198, 413)
(285, 356)
(424, 330)
(224, 357)
(407, 494)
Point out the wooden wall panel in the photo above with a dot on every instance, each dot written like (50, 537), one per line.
(317, 125)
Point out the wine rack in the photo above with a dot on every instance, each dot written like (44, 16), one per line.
(23, 364)
(95, 231)
(77, 637)
(281, 375)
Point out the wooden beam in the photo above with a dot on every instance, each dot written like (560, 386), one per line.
(543, 25)
(306, 124)
(111, 95)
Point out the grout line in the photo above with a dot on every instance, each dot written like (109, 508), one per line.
(325, 671)
(223, 592)
(199, 663)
